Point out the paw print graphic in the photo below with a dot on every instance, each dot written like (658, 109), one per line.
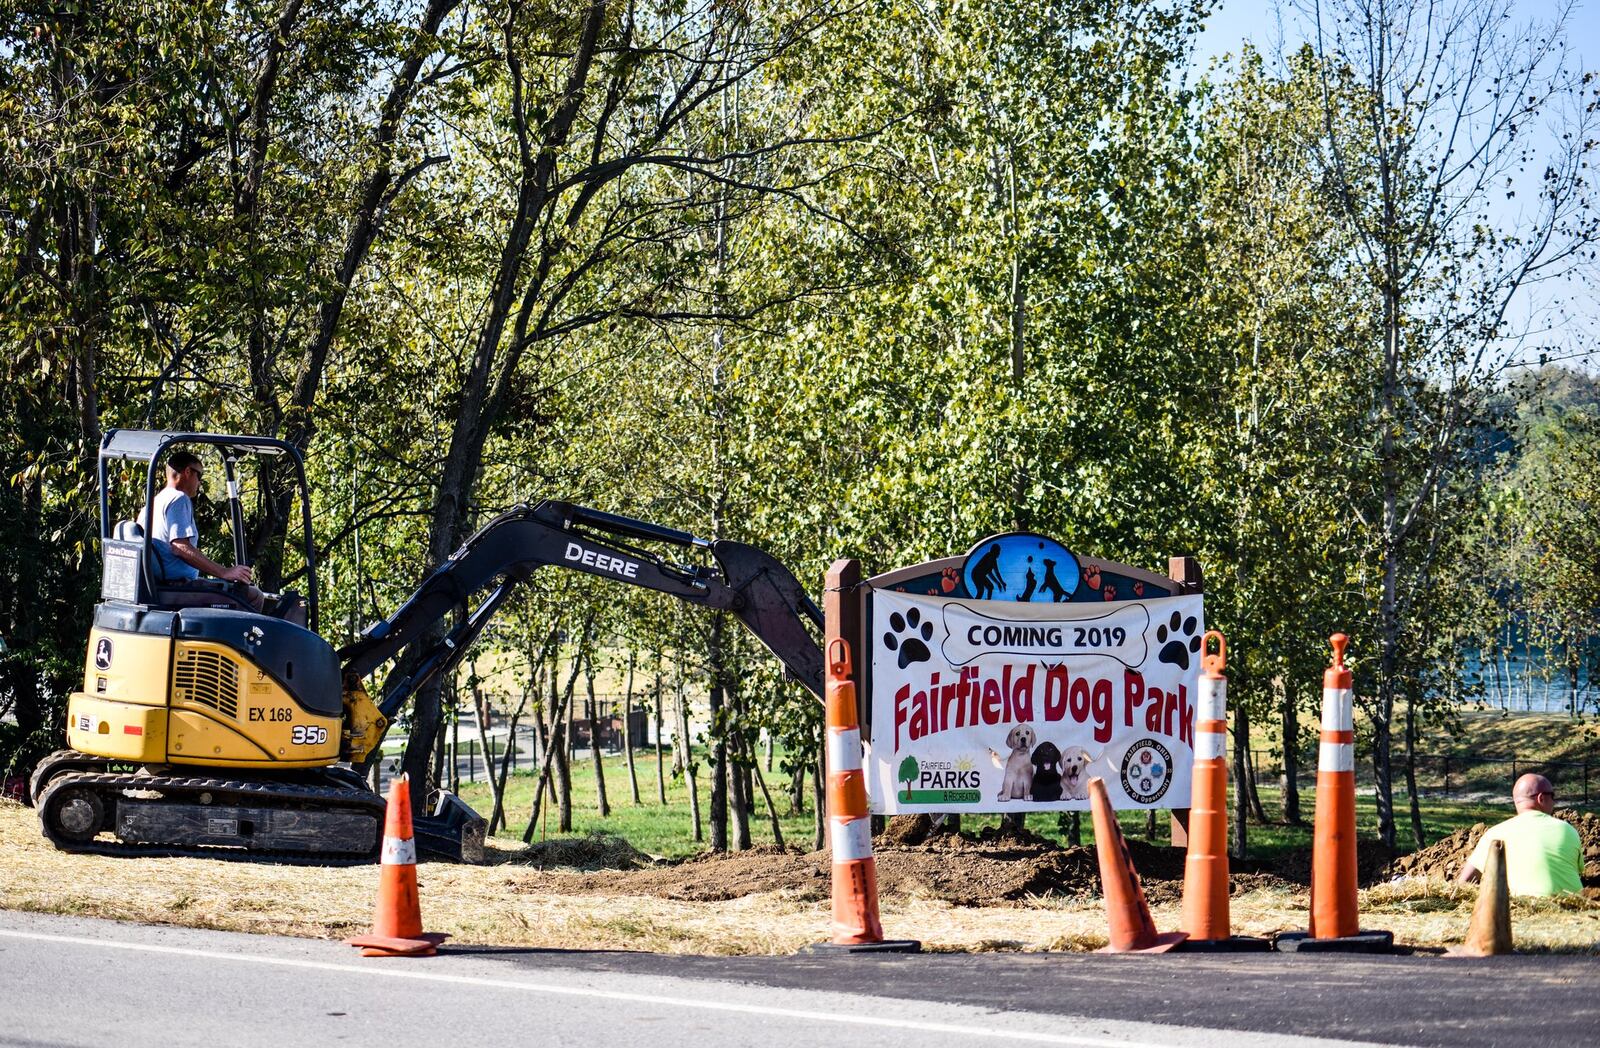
(1091, 577)
(948, 579)
(1185, 640)
(1110, 592)
(1138, 589)
(909, 635)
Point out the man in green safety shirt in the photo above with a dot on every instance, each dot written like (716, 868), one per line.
(1543, 853)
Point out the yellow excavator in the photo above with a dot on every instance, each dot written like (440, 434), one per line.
(205, 726)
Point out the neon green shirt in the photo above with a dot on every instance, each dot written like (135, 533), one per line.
(1543, 854)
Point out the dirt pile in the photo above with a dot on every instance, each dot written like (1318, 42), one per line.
(1441, 860)
(1444, 858)
(991, 867)
(597, 851)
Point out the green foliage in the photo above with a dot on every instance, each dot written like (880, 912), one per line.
(834, 280)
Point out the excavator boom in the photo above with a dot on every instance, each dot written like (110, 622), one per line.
(504, 553)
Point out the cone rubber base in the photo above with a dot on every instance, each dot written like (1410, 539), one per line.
(424, 945)
(1163, 942)
(1232, 944)
(1361, 942)
(881, 946)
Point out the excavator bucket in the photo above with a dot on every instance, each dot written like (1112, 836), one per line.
(454, 831)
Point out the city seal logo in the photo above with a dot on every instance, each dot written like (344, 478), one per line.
(102, 654)
(1146, 771)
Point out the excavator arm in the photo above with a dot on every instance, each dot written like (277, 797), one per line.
(504, 553)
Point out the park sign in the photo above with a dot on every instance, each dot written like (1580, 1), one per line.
(1011, 702)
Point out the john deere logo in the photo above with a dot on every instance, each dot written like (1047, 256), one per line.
(939, 782)
(1146, 771)
(102, 654)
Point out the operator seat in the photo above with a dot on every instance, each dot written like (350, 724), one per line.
(183, 593)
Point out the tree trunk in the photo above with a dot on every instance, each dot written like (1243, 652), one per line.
(1241, 757)
(819, 803)
(661, 771)
(455, 751)
(685, 754)
(772, 810)
(627, 731)
(1257, 811)
(797, 790)
(550, 760)
(1388, 606)
(498, 782)
(719, 744)
(561, 732)
(1290, 780)
(594, 737)
(680, 741)
(1411, 774)
(740, 760)
(480, 392)
(496, 788)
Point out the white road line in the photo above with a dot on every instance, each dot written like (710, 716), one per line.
(574, 991)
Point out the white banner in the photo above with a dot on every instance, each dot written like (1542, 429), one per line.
(1009, 706)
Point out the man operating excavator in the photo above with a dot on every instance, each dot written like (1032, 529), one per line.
(174, 534)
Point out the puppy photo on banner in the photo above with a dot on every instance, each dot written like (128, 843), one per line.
(1013, 706)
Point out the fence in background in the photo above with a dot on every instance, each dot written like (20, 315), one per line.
(1460, 777)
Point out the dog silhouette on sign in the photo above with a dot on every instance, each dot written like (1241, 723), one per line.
(1052, 585)
(1033, 580)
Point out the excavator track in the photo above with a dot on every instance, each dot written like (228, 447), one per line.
(63, 761)
(212, 818)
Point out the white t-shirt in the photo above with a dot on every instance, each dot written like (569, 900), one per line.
(174, 519)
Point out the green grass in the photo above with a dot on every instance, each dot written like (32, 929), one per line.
(651, 827)
(1481, 745)
(667, 830)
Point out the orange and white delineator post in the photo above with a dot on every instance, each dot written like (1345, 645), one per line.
(1335, 916)
(1333, 850)
(856, 925)
(1205, 867)
(397, 918)
(855, 873)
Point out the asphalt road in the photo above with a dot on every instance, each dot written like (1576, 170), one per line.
(67, 981)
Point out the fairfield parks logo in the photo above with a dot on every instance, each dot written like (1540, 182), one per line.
(940, 782)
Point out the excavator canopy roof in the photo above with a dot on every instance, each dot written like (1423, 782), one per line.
(146, 444)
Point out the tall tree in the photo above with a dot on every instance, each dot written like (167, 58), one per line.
(1428, 112)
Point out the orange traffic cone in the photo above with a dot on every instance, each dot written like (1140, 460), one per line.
(1205, 868)
(1489, 933)
(1127, 913)
(397, 920)
(856, 925)
(1335, 918)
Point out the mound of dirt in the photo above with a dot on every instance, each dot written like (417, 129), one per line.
(598, 851)
(988, 868)
(1588, 826)
(1444, 858)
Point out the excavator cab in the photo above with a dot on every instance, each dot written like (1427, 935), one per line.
(133, 571)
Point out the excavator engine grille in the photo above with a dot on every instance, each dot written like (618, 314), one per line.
(208, 678)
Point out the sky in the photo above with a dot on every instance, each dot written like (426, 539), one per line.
(1573, 326)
